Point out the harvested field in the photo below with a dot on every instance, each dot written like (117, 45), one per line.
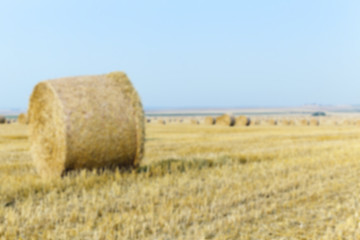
(195, 182)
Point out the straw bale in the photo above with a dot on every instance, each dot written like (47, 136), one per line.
(257, 122)
(2, 120)
(357, 122)
(23, 118)
(314, 122)
(86, 122)
(304, 122)
(349, 122)
(287, 122)
(272, 122)
(242, 121)
(162, 122)
(225, 120)
(209, 120)
(194, 121)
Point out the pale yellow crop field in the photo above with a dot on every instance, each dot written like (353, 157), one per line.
(195, 182)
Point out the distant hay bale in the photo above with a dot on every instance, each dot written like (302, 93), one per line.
(257, 122)
(225, 120)
(23, 118)
(194, 121)
(162, 122)
(304, 122)
(349, 122)
(272, 122)
(242, 121)
(314, 122)
(209, 120)
(86, 122)
(148, 120)
(287, 122)
(2, 120)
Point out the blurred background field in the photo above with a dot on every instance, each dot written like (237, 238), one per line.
(195, 182)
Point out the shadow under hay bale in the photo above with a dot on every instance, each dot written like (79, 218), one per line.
(225, 120)
(71, 129)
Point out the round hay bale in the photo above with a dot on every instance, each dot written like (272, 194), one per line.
(349, 122)
(257, 122)
(225, 120)
(287, 122)
(162, 122)
(23, 118)
(357, 122)
(86, 122)
(209, 121)
(314, 122)
(242, 121)
(194, 121)
(148, 120)
(272, 122)
(304, 122)
(2, 120)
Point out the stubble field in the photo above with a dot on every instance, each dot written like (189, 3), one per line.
(195, 182)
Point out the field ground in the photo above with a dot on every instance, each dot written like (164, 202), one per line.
(195, 182)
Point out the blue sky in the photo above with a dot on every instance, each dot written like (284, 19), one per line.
(188, 53)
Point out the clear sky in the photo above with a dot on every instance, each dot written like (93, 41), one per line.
(188, 53)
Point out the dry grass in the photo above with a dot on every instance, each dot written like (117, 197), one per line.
(196, 182)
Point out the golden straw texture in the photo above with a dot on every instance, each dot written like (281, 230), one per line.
(86, 122)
